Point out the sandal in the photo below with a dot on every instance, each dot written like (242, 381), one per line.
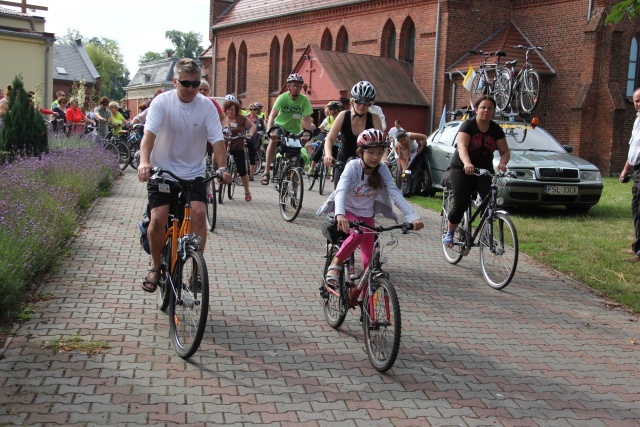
(247, 197)
(447, 240)
(265, 179)
(333, 276)
(251, 178)
(148, 284)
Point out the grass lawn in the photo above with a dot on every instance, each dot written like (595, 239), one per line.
(587, 247)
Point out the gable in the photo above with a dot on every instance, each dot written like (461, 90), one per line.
(154, 72)
(70, 65)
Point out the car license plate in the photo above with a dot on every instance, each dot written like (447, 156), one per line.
(560, 190)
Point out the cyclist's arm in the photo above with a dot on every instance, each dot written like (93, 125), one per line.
(420, 138)
(505, 154)
(462, 141)
(252, 129)
(332, 138)
(146, 145)
(272, 117)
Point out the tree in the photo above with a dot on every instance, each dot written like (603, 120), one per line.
(150, 56)
(24, 130)
(625, 7)
(70, 37)
(106, 57)
(187, 45)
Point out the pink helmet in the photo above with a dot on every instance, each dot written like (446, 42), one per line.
(370, 138)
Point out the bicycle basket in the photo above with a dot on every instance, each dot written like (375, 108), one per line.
(330, 230)
(290, 142)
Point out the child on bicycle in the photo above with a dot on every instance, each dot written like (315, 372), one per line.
(365, 188)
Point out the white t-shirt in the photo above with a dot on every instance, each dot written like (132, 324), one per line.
(182, 131)
(377, 110)
(394, 131)
(407, 155)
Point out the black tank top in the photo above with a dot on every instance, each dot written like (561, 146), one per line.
(349, 140)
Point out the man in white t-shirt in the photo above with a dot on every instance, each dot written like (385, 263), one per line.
(397, 126)
(177, 128)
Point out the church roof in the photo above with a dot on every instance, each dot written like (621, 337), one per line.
(244, 11)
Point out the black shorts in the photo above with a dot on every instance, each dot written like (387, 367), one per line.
(156, 198)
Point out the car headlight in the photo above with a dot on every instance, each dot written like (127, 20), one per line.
(525, 173)
(590, 176)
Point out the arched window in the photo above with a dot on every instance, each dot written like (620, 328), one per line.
(407, 40)
(242, 68)
(327, 41)
(342, 40)
(388, 45)
(632, 74)
(287, 57)
(231, 69)
(274, 66)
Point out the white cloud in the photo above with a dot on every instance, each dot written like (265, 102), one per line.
(137, 26)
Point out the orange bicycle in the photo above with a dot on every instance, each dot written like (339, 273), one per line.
(184, 280)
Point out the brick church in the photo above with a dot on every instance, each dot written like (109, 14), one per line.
(415, 52)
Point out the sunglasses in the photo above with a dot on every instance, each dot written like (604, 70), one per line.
(367, 103)
(253, 109)
(187, 83)
(63, 102)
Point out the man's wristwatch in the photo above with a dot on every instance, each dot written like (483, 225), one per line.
(222, 170)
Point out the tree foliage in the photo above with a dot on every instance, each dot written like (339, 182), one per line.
(23, 128)
(185, 45)
(631, 8)
(106, 57)
(150, 56)
(69, 38)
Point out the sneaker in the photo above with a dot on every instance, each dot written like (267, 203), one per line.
(447, 240)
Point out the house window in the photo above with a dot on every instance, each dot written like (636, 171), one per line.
(327, 41)
(231, 69)
(242, 69)
(388, 45)
(274, 66)
(61, 70)
(407, 40)
(342, 40)
(632, 74)
(287, 58)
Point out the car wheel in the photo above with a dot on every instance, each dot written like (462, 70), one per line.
(578, 209)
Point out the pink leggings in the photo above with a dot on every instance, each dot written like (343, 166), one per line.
(364, 240)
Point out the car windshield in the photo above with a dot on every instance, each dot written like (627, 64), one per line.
(535, 139)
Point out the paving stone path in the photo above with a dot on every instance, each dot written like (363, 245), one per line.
(544, 352)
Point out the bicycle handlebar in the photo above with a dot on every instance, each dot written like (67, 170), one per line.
(528, 48)
(405, 227)
(486, 172)
(158, 172)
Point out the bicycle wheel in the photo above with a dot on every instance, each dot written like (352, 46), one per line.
(498, 255)
(164, 283)
(478, 88)
(212, 206)
(502, 89)
(382, 324)
(111, 148)
(453, 255)
(221, 190)
(124, 154)
(529, 91)
(322, 178)
(134, 160)
(313, 175)
(335, 306)
(291, 193)
(189, 306)
(259, 161)
(231, 188)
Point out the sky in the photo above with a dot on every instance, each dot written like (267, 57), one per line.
(137, 25)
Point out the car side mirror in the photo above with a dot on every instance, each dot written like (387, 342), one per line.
(568, 148)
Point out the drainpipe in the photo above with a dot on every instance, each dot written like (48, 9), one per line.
(589, 9)
(453, 90)
(213, 62)
(435, 68)
(46, 71)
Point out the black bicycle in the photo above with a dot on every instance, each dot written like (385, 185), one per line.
(494, 234)
(496, 86)
(232, 168)
(288, 174)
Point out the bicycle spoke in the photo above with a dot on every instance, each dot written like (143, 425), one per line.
(334, 306)
(498, 243)
(382, 324)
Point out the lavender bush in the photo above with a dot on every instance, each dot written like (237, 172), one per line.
(41, 199)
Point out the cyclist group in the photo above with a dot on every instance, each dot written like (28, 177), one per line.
(180, 122)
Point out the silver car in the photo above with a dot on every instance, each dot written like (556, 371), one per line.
(547, 173)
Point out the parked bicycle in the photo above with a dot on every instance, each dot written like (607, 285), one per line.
(183, 285)
(120, 141)
(494, 234)
(372, 290)
(483, 84)
(525, 86)
(288, 174)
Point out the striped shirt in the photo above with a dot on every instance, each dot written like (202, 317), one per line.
(634, 144)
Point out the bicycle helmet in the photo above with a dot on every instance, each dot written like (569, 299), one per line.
(363, 91)
(230, 97)
(370, 138)
(295, 77)
(334, 105)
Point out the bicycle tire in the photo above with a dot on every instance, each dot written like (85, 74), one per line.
(233, 171)
(382, 334)
(212, 206)
(529, 91)
(478, 88)
(498, 258)
(189, 306)
(335, 307)
(454, 254)
(502, 89)
(291, 194)
(164, 283)
(133, 149)
(323, 178)
(124, 154)
(111, 148)
(313, 176)
(259, 162)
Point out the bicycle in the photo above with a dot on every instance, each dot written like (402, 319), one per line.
(495, 233)
(124, 156)
(183, 285)
(498, 87)
(526, 84)
(232, 168)
(212, 206)
(288, 174)
(380, 309)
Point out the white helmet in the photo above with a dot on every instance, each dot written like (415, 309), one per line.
(363, 91)
(230, 97)
(295, 77)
